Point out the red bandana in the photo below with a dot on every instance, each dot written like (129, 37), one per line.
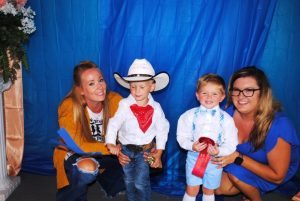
(143, 115)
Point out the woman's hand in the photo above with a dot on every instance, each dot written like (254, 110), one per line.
(156, 153)
(157, 162)
(123, 159)
(113, 149)
(157, 156)
(222, 161)
(213, 150)
(147, 154)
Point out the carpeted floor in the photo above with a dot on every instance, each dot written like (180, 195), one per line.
(42, 188)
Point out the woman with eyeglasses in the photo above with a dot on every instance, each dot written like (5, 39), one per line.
(268, 150)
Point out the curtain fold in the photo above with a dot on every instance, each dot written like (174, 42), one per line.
(184, 38)
(281, 58)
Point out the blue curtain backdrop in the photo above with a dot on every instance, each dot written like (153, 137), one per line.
(281, 58)
(185, 38)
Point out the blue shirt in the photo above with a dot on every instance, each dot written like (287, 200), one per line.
(281, 128)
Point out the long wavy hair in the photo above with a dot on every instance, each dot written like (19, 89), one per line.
(79, 104)
(266, 108)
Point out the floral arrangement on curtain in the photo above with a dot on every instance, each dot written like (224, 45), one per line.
(16, 25)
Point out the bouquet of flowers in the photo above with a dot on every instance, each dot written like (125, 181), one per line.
(16, 25)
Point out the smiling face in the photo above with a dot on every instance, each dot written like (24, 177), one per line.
(93, 86)
(210, 95)
(140, 91)
(246, 105)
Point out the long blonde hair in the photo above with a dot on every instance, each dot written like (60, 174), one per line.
(266, 108)
(79, 104)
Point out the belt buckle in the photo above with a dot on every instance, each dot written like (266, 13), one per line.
(134, 148)
(137, 148)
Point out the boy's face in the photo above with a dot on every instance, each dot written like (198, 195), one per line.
(140, 91)
(210, 95)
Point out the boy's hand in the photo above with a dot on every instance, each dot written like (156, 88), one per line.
(213, 150)
(113, 149)
(197, 146)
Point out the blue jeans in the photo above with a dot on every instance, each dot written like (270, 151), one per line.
(111, 179)
(136, 176)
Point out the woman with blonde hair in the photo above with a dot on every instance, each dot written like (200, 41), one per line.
(84, 113)
(268, 151)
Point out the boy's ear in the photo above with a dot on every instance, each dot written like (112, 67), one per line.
(223, 97)
(153, 85)
(197, 96)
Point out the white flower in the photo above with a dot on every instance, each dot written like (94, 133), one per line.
(27, 20)
(27, 25)
(27, 14)
(17, 24)
(8, 8)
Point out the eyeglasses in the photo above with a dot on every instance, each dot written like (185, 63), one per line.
(246, 92)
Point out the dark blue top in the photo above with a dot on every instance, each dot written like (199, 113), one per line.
(281, 128)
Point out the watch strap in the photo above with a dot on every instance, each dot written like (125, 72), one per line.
(239, 159)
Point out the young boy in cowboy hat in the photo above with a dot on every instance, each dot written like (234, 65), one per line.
(138, 120)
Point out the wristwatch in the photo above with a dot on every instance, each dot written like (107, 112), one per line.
(239, 159)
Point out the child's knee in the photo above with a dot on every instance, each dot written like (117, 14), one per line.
(207, 191)
(192, 190)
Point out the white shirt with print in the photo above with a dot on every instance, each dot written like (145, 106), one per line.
(96, 125)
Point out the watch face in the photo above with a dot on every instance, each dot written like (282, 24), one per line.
(238, 160)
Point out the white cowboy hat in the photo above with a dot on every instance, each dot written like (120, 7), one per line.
(142, 70)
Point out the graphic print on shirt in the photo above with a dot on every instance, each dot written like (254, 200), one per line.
(96, 129)
(96, 122)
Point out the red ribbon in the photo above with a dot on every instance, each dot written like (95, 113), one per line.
(143, 115)
(203, 158)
